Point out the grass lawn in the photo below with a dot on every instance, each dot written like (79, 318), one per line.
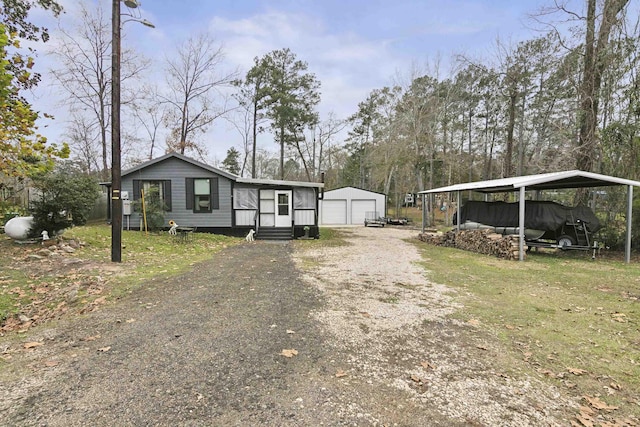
(573, 320)
(41, 289)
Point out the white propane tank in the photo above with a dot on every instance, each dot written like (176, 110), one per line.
(18, 228)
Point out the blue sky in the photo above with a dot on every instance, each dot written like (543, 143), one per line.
(353, 47)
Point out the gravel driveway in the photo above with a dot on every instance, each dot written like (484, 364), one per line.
(370, 341)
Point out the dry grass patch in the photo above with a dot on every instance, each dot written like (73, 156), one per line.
(574, 321)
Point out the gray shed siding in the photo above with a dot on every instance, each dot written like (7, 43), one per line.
(177, 171)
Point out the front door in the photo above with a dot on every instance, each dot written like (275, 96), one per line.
(283, 208)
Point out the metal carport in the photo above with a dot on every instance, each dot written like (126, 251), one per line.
(546, 181)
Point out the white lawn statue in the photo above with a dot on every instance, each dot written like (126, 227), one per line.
(173, 228)
(45, 235)
(250, 237)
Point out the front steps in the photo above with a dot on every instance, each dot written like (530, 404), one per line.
(274, 233)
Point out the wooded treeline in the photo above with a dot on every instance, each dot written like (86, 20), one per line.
(546, 104)
(566, 99)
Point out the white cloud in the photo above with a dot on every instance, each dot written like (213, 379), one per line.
(347, 65)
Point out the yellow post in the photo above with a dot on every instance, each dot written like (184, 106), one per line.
(144, 211)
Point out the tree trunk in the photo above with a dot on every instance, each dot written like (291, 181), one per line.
(521, 145)
(513, 97)
(255, 136)
(282, 152)
(594, 65)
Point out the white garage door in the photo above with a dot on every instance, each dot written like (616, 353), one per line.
(334, 212)
(359, 209)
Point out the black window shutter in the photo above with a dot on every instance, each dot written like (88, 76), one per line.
(189, 192)
(215, 194)
(136, 189)
(166, 191)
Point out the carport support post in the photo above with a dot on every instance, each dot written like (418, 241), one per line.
(424, 211)
(627, 245)
(521, 206)
(459, 202)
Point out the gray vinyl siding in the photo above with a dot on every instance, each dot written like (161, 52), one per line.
(177, 171)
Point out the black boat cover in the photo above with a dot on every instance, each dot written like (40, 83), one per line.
(539, 215)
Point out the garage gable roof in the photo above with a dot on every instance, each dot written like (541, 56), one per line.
(545, 181)
(349, 187)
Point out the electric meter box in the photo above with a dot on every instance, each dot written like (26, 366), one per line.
(126, 207)
(124, 195)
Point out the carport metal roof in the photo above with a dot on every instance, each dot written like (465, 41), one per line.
(545, 181)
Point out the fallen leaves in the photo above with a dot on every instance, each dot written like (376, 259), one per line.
(289, 353)
(418, 383)
(43, 296)
(426, 365)
(590, 416)
(619, 317)
(416, 379)
(340, 373)
(32, 344)
(576, 371)
(474, 322)
(598, 404)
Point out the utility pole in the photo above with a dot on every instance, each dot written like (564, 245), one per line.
(116, 179)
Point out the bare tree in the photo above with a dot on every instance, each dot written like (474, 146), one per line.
(324, 137)
(150, 114)
(241, 121)
(84, 55)
(83, 140)
(193, 78)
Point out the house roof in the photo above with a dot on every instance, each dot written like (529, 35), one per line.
(278, 182)
(183, 158)
(545, 181)
(221, 172)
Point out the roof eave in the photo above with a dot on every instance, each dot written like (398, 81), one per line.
(279, 182)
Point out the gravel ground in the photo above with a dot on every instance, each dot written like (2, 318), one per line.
(374, 340)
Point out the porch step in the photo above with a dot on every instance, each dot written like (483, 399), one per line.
(274, 233)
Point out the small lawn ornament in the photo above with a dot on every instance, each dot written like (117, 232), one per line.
(45, 235)
(250, 237)
(173, 228)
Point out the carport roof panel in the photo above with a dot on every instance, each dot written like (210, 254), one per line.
(545, 181)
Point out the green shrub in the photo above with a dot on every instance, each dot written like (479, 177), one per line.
(66, 198)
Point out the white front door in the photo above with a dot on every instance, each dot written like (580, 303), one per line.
(283, 208)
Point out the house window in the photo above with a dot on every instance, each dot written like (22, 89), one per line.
(155, 191)
(202, 194)
(283, 204)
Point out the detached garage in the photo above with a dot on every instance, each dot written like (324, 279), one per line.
(350, 205)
